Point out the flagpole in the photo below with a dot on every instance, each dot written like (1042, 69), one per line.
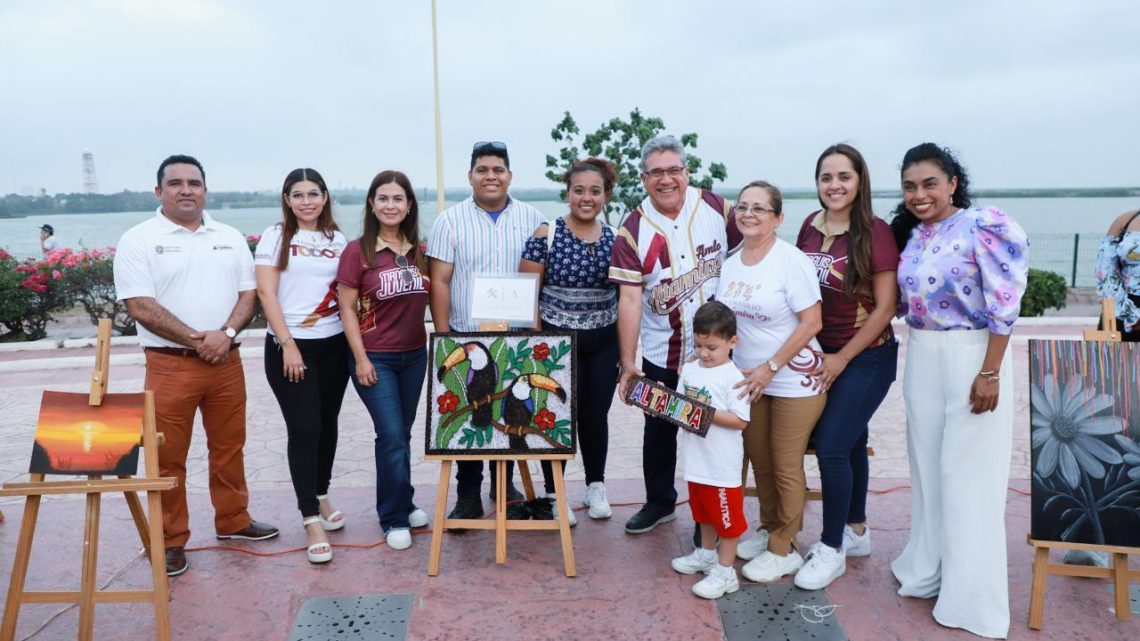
(438, 126)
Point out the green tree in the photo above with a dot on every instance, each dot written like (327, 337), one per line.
(620, 142)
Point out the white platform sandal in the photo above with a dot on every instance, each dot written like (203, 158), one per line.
(332, 523)
(314, 555)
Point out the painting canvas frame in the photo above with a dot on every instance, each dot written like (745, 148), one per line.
(75, 437)
(504, 370)
(1085, 442)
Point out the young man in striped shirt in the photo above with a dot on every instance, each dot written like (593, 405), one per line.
(666, 262)
(484, 234)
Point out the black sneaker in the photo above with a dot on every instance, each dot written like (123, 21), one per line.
(467, 507)
(542, 509)
(648, 518)
(513, 494)
(518, 510)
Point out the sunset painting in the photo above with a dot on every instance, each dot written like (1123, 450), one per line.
(73, 437)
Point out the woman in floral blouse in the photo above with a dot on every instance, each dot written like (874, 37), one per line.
(573, 258)
(961, 275)
(1118, 271)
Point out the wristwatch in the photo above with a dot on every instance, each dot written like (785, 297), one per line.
(773, 366)
(230, 332)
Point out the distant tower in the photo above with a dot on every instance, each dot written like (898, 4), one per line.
(90, 184)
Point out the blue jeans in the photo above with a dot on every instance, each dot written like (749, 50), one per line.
(392, 403)
(841, 436)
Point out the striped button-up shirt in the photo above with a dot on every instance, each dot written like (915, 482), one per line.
(465, 236)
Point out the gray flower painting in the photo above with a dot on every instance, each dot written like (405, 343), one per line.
(1085, 452)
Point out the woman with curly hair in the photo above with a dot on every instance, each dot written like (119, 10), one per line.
(961, 275)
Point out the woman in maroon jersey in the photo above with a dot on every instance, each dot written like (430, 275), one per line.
(383, 291)
(856, 259)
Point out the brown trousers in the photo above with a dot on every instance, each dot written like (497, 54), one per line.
(183, 385)
(774, 443)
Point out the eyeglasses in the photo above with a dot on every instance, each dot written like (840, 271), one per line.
(406, 274)
(755, 210)
(300, 197)
(492, 144)
(657, 174)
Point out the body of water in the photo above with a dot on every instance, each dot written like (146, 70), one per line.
(1051, 223)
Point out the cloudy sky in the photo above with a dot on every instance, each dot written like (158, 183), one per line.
(1031, 93)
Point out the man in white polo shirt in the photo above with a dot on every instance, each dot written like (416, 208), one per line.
(485, 233)
(188, 282)
(666, 262)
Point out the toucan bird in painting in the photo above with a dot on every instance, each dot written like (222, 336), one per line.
(482, 377)
(518, 405)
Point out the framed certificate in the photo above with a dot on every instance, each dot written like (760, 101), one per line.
(509, 297)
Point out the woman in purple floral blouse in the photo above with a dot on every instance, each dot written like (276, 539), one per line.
(961, 275)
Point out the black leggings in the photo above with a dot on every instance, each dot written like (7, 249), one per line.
(595, 379)
(310, 407)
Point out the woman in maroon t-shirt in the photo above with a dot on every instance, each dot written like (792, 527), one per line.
(856, 259)
(382, 289)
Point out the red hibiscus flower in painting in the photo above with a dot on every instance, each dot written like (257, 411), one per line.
(448, 401)
(541, 352)
(544, 419)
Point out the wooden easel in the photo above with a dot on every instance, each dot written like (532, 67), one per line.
(1118, 572)
(501, 524)
(149, 525)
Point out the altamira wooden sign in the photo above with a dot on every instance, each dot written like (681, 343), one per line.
(655, 399)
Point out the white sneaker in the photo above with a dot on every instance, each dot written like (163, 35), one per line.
(554, 509)
(417, 518)
(753, 547)
(720, 581)
(854, 544)
(770, 566)
(597, 502)
(699, 560)
(823, 565)
(399, 538)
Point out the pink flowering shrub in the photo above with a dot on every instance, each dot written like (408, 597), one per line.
(90, 279)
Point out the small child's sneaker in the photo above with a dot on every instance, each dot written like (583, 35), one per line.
(753, 547)
(596, 501)
(823, 565)
(856, 544)
(720, 581)
(699, 560)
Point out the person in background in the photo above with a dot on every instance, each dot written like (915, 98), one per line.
(961, 276)
(572, 258)
(714, 463)
(383, 291)
(188, 281)
(773, 289)
(305, 352)
(666, 263)
(48, 241)
(856, 261)
(485, 233)
(1118, 272)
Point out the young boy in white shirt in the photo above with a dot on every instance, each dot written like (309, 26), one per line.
(713, 464)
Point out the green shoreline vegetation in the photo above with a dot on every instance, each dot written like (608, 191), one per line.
(15, 205)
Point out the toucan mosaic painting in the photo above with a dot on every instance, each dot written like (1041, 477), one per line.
(501, 393)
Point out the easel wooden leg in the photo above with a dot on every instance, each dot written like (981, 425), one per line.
(527, 480)
(440, 514)
(157, 554)
(20, 565)
(139, 517)
(500, 512)
(563, 519)
(1037, 593)
(90, 566)
(1120, 586)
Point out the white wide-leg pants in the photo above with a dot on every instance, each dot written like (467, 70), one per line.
(959, 471)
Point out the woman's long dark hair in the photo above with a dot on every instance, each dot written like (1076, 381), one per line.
(857, 278)
(410, 227)
(902, 220)
(289, 226)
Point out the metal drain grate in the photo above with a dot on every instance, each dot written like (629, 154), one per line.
(1133, 595)
(770, 612)
(354, 618)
